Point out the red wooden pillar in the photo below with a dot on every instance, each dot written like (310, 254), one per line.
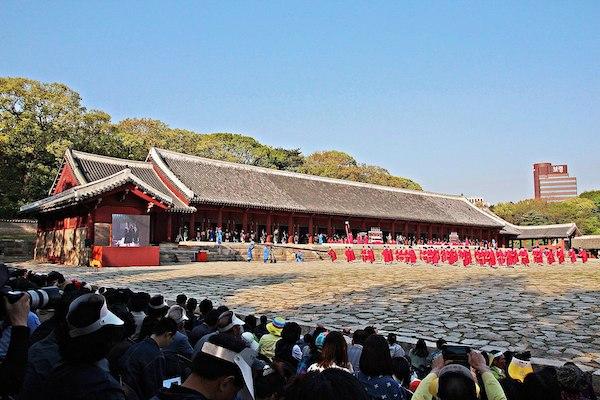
(418, 233)
(245, 221)
(405, 230)
(310, 229)
(193, 226)
(329, 228)
(291, 228)
(393, 229)
(169, 227)
(269, 220)
(363, 225)
(220, 218)
(89, 227)
(430, 232)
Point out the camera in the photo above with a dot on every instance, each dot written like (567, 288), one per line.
(43, 298)
(456, 354)
(11, 279)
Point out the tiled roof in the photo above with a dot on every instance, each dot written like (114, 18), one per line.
(589, 242)
(224, 183)
(556, 231)
(93, 167)
(83, 192)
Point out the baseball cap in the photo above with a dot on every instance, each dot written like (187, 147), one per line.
(177, 314)
(88, 313)
(243, 360)
(227, 321)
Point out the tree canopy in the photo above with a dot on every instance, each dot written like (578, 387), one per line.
(39, 121)
(584, 210)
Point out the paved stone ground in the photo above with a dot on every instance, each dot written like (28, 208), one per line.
(552, 311)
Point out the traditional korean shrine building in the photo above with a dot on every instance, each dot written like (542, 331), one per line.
(182, 192)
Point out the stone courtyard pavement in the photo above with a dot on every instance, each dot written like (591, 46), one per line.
(552, 311)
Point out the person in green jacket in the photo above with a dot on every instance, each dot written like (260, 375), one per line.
(458, 382)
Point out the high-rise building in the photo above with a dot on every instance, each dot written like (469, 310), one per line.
(553, 183)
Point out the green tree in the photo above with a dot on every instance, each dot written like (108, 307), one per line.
(340, 165)
(38, 121)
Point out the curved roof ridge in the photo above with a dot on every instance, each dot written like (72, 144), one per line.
(100, 158)
(248, 167)
(567, 224)
(156, 157)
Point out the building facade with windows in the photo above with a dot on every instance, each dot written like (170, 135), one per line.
(552, 183)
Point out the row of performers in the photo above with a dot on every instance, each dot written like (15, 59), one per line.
(491, 257)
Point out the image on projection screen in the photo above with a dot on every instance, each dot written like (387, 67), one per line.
(130, 230)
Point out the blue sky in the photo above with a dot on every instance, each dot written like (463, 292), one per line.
(461, 96)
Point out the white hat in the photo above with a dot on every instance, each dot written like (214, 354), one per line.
(242, 359)
(177, 314)
(104, 317)
(228, 320)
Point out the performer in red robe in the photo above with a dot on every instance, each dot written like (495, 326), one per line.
(370, 255)
(332, 254)
(550, 256)
(538, 257)
(363, 254)
(584, 255)
(435, 256)
(412, 256)
(572, 255)
(560, 254)
(524, 256)
(501, 257)
(399, 255)
(492, 258)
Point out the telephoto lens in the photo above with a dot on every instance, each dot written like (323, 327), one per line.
(42, 298)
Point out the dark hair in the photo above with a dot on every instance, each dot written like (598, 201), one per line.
(335, 350)
(370, 330)
(139, 301)
(455, 386)
(401, 370)
(222, 309)
(265, 386)
(89, 348)
(55, 276)
(375, 358)
(250, 323)
(440, 343)
(205, 306)
(391, 338)
(263, 319)
(124, 315)
(291, 332)
(164, 325)
(420, 349)
(359, 336)
(212, 368)
(212, 317)
(191, 304)
(331, 384)
(541, 385)
(181, 299)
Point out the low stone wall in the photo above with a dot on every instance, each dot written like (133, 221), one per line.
(16, 249)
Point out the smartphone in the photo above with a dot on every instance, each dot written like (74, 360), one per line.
(456, 354)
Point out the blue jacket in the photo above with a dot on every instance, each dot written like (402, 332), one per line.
(76, 381)
(180, 345)
(143, 367)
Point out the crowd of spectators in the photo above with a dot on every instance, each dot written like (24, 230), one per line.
(104, 343)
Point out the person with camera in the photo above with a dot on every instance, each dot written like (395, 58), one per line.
(12, 368)
(457, 382)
